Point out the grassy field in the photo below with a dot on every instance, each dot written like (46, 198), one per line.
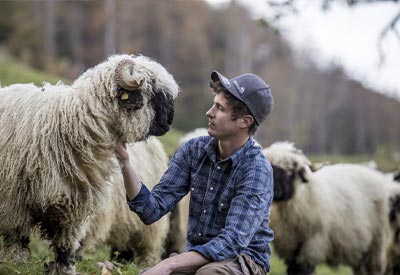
(41, 254)
(13, 72)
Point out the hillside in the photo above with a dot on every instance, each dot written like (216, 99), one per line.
(12, 71)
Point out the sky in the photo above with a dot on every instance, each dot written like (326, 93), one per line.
(343, 35)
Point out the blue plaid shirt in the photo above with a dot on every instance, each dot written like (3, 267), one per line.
(229, 200)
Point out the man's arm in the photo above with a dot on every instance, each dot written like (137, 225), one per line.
(186, 261)
(131, 180)
(150, 206)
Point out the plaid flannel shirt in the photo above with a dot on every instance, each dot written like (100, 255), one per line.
(229, 200)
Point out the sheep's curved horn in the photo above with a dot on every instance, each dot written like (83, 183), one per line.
(123, 75)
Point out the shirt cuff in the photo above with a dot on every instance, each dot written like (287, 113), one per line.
(207, 253)
(137, 203)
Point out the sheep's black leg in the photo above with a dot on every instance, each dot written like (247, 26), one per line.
(294, 268)
(63, 265)
(64, 255)
(125, 255)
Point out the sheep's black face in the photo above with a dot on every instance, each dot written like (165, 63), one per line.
(283, 184)
(163, 105)
(396, 176)
(394, 216)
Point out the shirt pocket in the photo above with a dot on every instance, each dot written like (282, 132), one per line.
(224, 201)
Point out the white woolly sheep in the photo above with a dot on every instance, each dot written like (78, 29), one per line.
(57, 148)
(120, 228)
(336, 215)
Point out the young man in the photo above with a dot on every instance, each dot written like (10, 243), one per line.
(230, 181)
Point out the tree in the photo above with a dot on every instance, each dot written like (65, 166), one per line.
(285, 7)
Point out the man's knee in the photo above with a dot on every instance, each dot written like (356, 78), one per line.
(220, 268)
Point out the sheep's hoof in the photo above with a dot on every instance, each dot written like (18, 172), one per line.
(54, 268)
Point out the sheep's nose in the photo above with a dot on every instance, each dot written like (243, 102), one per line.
(163, 105)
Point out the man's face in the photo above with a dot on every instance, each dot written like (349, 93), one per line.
(220, 123)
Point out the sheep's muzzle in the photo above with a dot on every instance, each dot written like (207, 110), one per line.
(163, 105)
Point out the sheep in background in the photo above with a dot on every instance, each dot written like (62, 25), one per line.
(57, 149)
(120, 228)
(336, 215)
(392, 190)
(176, 239)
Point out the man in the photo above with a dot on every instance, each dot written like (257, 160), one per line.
(230, 181)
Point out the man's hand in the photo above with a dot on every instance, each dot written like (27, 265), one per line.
(188, 261)
(131, 181)
(159, 269)
(121, 153)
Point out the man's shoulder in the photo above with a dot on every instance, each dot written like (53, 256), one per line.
(254, 159)
(196, 145)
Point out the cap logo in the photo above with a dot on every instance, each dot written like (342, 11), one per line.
(240, 88)
(225, 80)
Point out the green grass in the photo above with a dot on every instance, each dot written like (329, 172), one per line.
(12, 72)
(41, 253)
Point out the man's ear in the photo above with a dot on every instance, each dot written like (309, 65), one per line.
(246, 121)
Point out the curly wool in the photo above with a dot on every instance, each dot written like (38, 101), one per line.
(338, 215)
(56, 147)
(117, 225)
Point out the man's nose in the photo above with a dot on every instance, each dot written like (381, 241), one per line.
(209, 113)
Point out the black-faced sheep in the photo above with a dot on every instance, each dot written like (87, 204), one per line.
(120, 228)
(336, 215)
(393, 258)
(57, 148)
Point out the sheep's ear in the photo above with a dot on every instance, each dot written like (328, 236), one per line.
(303, 175)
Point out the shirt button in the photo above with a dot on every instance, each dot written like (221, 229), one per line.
(218, 167)
(204, 211)
(192, 189)
(222, 204)
(211, 188)
(199, 234)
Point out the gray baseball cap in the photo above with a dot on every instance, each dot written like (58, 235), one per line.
(251, 90)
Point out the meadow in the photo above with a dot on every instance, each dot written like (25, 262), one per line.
(11, 72)
(41, 253)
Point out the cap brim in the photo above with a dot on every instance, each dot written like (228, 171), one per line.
(226, 83)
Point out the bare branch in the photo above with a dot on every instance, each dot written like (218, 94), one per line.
(391, 27)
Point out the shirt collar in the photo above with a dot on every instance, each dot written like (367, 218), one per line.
(211, 149)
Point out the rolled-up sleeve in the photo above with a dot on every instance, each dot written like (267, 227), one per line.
(173, 186)
(248, 210)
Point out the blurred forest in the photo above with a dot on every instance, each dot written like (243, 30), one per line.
(323, 112)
